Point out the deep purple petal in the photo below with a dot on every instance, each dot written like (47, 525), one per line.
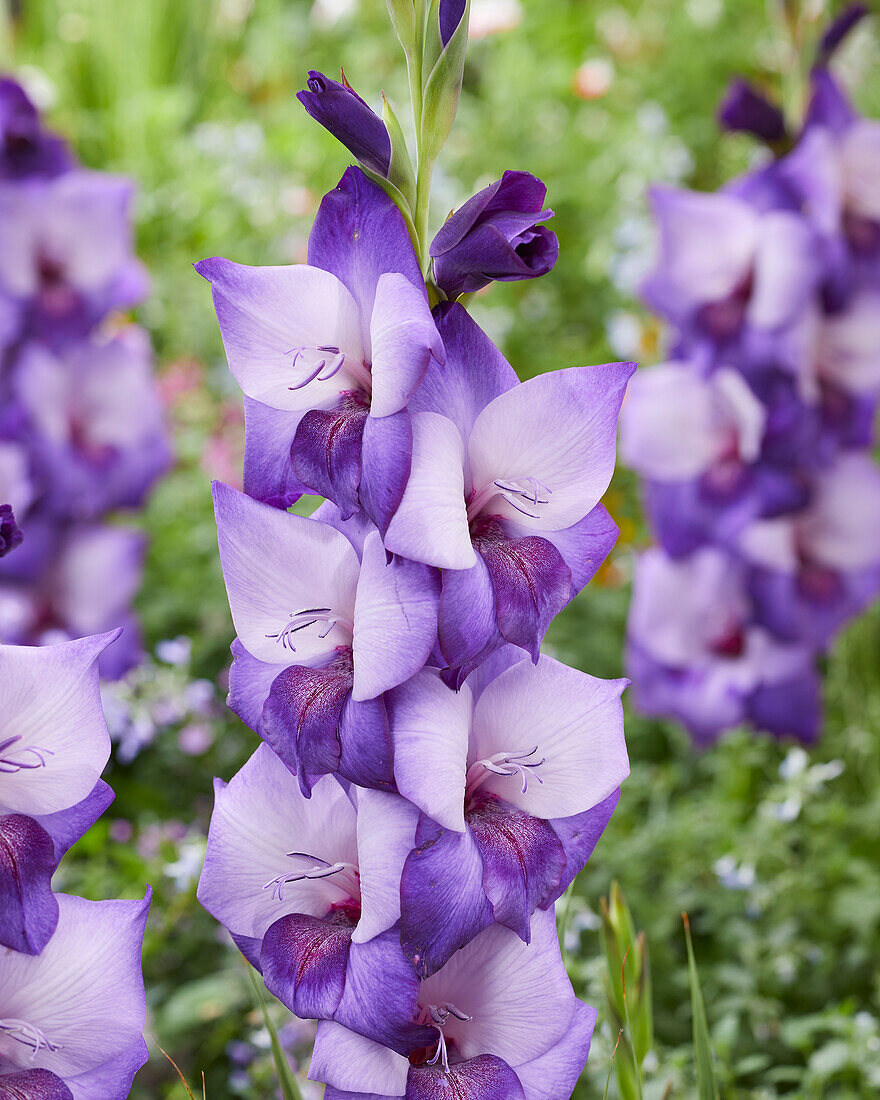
(33, 1084)
(579, 835)
(359, 235)
(342, 111)
(451, 13)
(250, 682)
(792, 708)
(301, 716)
(366, 754)
(532, 583)
(443, 904)
(386, 461)
(326, 451)
(268, 471)
(467, 623)
(745, 109)
(67, 826)
(28, 909)
(10, 533)
(523, 860)
(482, 1078)
(838, 31)
(304, 959)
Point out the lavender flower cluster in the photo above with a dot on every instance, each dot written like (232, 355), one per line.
(429, 783)
(755, 440)
(72, 1002)
(81, 425)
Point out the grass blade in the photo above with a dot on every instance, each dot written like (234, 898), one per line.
(289, 1088)
(707, 1084)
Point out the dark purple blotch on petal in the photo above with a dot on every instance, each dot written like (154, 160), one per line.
(326, 451)
(33, 1084)
(28, 909)
(483, 1078)
(523, 860)
(745, 110)
(10, 533)
(341, 110)
(304, 959)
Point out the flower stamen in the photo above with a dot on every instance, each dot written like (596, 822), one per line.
(29, 1035)
(505, 763)
(29, 757)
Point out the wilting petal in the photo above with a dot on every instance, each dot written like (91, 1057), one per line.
(559, 429)
(28, 909)
(395, 620)
(350, 1062)
(386, 461)
(431, 524)
(482, 1078)
(555, 1073)
(52, 707)
(358, 235)
(531, 581)
(326, 451)
(404, 341)
(267, 313)
(84, 992)
(276, 564)
(467, 622)
(475, 372)
(301, 717)
(523, 860)
(443, 904)
(304, 961)
(268, 473)
(431, 725)
(386, 828)
(259, 817)
(575, 722)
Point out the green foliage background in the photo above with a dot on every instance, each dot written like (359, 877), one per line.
(195, 99)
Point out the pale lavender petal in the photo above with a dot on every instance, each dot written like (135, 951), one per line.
(404, 340)
(347, 1061)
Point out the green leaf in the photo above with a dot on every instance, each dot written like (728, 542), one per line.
(707, 1085)
(443, 91)
(289, 1088)
(403, 19)
(400, 170)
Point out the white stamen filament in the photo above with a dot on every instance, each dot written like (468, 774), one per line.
(28, 757)
(345, 875)
(302, 620)
(28, 1034)
(507, 764)
(323, 362)
(438, 1017)
(519, 492)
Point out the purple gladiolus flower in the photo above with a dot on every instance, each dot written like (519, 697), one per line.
(745, 109)
(495, 235)
(341, 110)
(53, 747)
(326, 625)
(329, 353)
(71, 1017)
(10, 533)
(499, 1020)
(309, 888)
(523, 779)
(26, 149)
(505, 506)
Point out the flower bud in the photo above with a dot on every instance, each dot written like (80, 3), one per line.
(341, 110)
(745, 110)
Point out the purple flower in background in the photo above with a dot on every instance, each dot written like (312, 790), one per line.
(26, 149)
(326, 624)
(499, 1020)
(747, 110)
(53, 748)
(307, 888)
(523, 779)
(495, 235)
(812, 570)
(695, 654)
(10, 533)
(329, 353)
(341, 110)
(504, 490)
(71, 1017)
(65, 251)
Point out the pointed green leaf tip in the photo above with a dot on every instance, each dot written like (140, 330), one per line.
(707, 1085)
(443, 91)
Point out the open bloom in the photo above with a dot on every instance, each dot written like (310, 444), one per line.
(65, 251)
(495, 235)
(515, 783)
(499, 1020)
(695, 653)
(504, 489)
(812, 570)
(97, 432)
(53, 747)
(309, 891)
(325, 625)
(328, 353)
(71, 1018)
